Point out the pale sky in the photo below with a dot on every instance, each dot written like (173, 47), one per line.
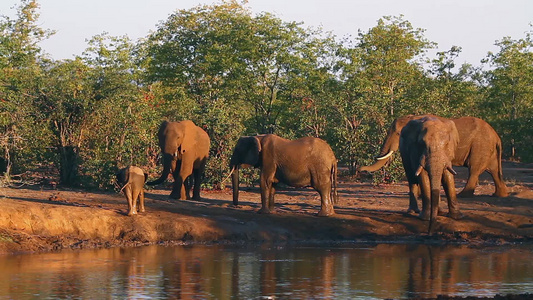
(474, 25)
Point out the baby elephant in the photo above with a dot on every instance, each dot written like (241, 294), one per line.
(131, 181)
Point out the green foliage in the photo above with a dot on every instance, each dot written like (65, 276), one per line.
(381, 75)
(239, 73)
(509, 103)
(234, 73)
(23, 141)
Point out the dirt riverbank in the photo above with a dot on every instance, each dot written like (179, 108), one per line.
(35, 219)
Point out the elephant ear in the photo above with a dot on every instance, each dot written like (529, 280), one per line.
(453, 136)
(189, 136)
(253, 153)
(161, 133)
(411, 142)
(122, 176)
(411, 134)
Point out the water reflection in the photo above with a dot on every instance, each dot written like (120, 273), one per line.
(225, 272)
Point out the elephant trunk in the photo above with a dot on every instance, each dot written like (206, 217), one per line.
(167, 161)
(435, 199)
(435, 168)
(235, 184)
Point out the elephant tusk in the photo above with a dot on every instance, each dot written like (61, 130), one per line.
(232, 170)
(419, 170)
(449, 168)
(385, 156)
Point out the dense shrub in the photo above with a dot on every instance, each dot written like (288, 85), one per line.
(234, 73)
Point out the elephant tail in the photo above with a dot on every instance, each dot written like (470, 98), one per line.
(500, 187)
(499, 155)
(334, 194)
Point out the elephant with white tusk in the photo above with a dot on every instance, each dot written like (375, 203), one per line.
(479, 149)
(428, 146)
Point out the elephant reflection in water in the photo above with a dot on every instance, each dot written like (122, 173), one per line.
(195, 274)
(135, 270)
(427, 277)
(435, 271)
(267, 276)
(320, 276)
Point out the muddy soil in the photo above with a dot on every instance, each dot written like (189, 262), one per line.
(39, 218)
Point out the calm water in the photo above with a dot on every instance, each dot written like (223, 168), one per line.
(226, 272)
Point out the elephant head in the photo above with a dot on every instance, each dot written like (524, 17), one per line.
(247, 152)
(390, 144)
(438, 141)
(428, 148)
(175, 139)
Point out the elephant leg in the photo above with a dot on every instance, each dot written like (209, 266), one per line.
(271, 197)
(197, 173)
(188, 185)
(185, 171)
(474, 170)
(178, 190)
(134, 202)
(495, 171)
(176, 187)
(131, 204)
(266, 190)
(425, 188)
(323, 185)
(141, 201)
(326, 207)
(414, 193)
(449, 188)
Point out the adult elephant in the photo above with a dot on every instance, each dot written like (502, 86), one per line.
(479, 149)
(427, 147)
(184, 148)
(303, 162)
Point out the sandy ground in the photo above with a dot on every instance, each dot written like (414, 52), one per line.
(36, 219)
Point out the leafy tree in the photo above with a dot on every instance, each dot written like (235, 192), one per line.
(390, 57)
(235, 73)
(20, 37)
(380, 74)
(239, 73)
(510, 94)
(450, 92)
(125, 116)
(20, 72)
(65, 101)
(198, 59)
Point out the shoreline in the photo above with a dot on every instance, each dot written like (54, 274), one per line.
(41, 220)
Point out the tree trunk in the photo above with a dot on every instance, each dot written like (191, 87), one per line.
(68, 165)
